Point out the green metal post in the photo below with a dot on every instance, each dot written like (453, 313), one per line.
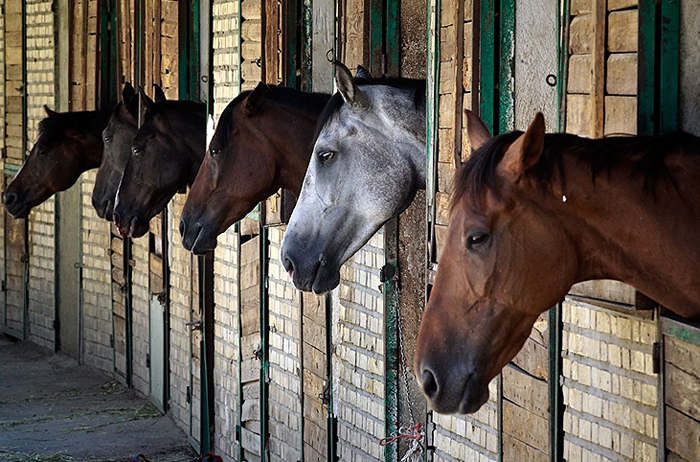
(488, 57)
(264, 342)
(506, 89)
(647, 101)
(669, 72)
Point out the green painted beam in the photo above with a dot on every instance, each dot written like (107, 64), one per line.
(669, 56)
(646, 69)
(505, 92)
(488, 57)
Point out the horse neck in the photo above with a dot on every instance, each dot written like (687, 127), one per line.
(622, 232)
(291, 158)
(190, 126)
(409, 127)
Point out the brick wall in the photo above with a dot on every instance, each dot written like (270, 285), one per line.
(96, 283)
(284, 353)
(40, 91)
(226, 60)
(358, 360)
(180, 312)
(472, 437)
(610, 390)
(226, 347)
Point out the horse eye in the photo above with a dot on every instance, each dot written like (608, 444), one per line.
(107, 138)
(477, 240)
(43, 152)
(326, 156)
(214, 152)
(137, 151)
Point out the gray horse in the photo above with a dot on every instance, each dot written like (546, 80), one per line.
(367, 163)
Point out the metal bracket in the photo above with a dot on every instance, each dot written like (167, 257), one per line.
(193, 325)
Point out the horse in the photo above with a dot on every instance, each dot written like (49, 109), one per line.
(117, 137)
(367, 163)
(262, 143)
(69, 143)
(533, 214)
(165, 156)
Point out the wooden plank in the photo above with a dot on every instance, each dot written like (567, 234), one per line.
(314, 365)
(250, 370)
(250, 410)
(622, 74)
(623, 31)
(581, 35)
(682, 354)
(250, 441)
(251, 391)
(314, 333)
(620, 115)
(682, 434)
(682, 391)
(525, 426)
(442, 209)
(516, 450)
(598, 69)
(533, 358)
(579, 111)
(314, 306)
(605, 289)
(621, 4)
(579, 80)
(526, 391)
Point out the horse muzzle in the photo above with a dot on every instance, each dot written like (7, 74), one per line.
(452, 389)
(16, 205)
(309, 270)
(196, 238)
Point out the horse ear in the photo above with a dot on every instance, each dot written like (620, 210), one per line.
(160, 95)
(527, 149)
(348, 89)
(128, 93)
(477, 132)
(49, 112)
(256, 98)
(146, 102)
(362, 74)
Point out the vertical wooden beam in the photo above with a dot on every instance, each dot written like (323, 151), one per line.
(458, 87)
(599, 28)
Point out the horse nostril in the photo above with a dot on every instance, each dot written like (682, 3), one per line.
(430, 386)
(9, 198)
(288, 265)
(182, 227)
(116, 218)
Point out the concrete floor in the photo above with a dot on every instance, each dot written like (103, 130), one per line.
(54, 410)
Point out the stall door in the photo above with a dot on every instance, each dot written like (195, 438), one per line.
(158, 291)
(16, 276)
(250, 348)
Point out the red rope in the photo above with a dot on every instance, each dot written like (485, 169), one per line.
(411, 433)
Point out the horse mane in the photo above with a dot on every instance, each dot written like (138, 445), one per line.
(602, 155)
(312, 103)
(336, 101)
(83, 122)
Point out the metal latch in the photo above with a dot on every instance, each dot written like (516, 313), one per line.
(194, 325)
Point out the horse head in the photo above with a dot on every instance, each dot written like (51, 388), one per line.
(166, 153)
(490, 285)
(367, 162)
(117, 137)
(261, 143)
(68, 144)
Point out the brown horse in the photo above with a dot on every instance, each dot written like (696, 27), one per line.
(117, 137)
(165, 156)
(261, 144)
(69, 143)
(532, 214)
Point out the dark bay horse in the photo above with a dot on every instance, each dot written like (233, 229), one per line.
(117, 137)
(262, 143)
(165, 156)
(368, 161)
(532, 214)
(69, 143)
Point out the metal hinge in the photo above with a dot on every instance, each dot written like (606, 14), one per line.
(656, 358)
(24, 258)
(148, 360)
(4, 285)
(188, 395)
(325, 395)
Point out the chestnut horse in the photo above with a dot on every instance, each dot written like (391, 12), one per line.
(262, 143)
(69, 143)
(533, 214)
(165, 156)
